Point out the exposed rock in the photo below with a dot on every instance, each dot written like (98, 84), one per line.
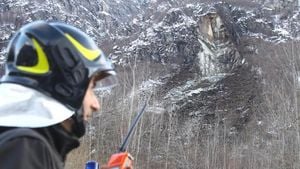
(202, 63)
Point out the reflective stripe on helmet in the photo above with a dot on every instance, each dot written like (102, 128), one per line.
(87, 53)
(42, 65)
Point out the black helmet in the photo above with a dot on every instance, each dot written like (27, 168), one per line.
(57, 59)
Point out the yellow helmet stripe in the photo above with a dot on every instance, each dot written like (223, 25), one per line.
(87, 53)
(42, 65)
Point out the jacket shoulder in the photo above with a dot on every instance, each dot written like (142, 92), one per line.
(24, 148)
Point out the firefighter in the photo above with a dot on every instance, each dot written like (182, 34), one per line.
(47, 94)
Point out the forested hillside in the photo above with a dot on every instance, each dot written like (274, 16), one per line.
(222, 79)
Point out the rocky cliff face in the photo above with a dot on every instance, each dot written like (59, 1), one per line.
(218, 75)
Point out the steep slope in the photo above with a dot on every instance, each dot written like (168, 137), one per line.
(222, 79)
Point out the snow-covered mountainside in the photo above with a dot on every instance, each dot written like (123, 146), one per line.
(222, 77)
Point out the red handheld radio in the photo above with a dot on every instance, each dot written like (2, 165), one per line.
(122, 159)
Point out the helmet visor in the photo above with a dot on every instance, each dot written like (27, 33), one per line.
(105, 80)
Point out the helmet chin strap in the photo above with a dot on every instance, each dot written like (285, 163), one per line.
(78, 128)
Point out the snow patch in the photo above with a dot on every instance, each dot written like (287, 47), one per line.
(137, 42)
(298, 81)
(105, 13)
(216, 77)
(185, 91)
(150, 32)
(199, 90)
(282, 31)
(260, 20)
(135, 21)
(150, 84)
(156, 109)
(162, 8)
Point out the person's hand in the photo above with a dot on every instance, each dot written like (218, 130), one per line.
(106, 167)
